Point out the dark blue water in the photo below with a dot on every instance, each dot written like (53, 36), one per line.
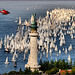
(8, 26)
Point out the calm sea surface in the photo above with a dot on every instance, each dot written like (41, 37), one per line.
(8, 26)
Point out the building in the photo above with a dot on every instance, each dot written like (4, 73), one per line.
(64, 71)
(33, 56)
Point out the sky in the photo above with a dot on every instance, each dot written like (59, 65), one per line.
(37, 0)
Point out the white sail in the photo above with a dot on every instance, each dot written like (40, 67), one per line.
(12, 34)
(56, 60)
(6, 62)
(8, 44)
(71, 36)
(13, 58)
(47, 56)
(12, 50)
(43, 52)
(59, 51)
(47, 49)
(69, 59)
(69, 23)
(1, 41)
(40, 55)
(15, 54)
(70, 47)
(24, 57)
(19, 20)
(61, 42)
(57, 54)
(50, 51)
(0, 45)
(56, 49)
(66, 51)
(63, 49)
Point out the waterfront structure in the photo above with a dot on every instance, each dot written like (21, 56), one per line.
(32, 60)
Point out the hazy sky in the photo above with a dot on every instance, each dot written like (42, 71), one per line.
(37, 0)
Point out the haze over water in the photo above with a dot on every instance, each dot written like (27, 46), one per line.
(8, 26)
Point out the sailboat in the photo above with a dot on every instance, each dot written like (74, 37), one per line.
(69, 23)
(71, 36)
(12, 35)
(47, 49)
(70, 47)
(1, 41)
(15, 64)
(64, 29)
(56, 49)
(40, 55)
(55, 35)
(27, 8)
(66, 50)
(59, 51)
(47, 56)
(0, 45)
(6, 62)
(57, 54)
(63, 49)
(18, 28)
(56, 60)
(54, 40)
(13, 58)
(50, 51)
(15, 54)
(43, 52)
(7, 46)
(6, 50)
(12, 50)
(24, 57)
(16, 21)
(69, 59)
(61, 42)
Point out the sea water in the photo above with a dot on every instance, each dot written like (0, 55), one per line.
(25, 9)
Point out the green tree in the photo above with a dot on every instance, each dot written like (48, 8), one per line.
(67, 66)
(74, 63)
(60, 64)
(12, 72)
(20, 70)
(67, 73)
(44, 66)
(52, 62)
(4, 74)
(70, 63)
(48, 72)
(73, 70)
(52, 71)
(51, 65)
(35, 72)
(27, 71)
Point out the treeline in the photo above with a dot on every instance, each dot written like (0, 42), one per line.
(20, 72)
(47, 67)
(53, 67)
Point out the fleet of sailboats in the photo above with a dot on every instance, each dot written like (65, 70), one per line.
(49, 28)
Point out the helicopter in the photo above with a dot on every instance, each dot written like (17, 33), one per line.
(4, 12)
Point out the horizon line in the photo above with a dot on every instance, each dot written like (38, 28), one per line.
(37, 0)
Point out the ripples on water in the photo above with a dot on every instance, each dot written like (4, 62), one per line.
(8, 26)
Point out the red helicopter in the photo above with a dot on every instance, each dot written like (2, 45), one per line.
(4, 12)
